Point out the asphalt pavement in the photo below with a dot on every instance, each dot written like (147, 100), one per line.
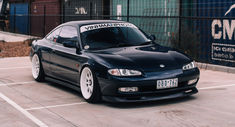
(26, 103)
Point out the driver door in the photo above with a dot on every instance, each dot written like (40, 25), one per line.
(65, 59)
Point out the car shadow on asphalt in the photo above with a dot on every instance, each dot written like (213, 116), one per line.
(151, 103)
(64, 88)
(125, 105)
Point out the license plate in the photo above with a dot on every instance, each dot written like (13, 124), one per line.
(168, 83)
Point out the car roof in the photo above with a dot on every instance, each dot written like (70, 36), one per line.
(88, 22)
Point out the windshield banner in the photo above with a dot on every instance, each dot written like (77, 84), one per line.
(105, 25)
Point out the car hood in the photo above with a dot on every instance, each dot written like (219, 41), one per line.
(147, 58)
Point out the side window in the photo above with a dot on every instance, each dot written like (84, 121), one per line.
(68, 33)
(54, 35)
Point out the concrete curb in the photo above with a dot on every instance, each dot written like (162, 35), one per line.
(14, 37)
(9, 58)
(16, 34)
(215, 67)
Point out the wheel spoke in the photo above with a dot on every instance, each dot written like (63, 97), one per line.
(88, 90)
(35, 66)
(87, 86)
(88, 76)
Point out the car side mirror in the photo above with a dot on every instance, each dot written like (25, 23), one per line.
(56, 38)
(152, 37)
(69, 44)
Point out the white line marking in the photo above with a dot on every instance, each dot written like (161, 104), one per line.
(54, 106)
(26, 113)
(8, 68)
(15, 83)
(214, 87)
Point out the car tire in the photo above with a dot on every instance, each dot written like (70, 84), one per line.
(89, 86)
(37, 69)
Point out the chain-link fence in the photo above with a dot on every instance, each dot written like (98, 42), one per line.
(203, 29)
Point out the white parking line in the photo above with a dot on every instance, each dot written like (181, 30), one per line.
(214, 87)
(23, 111)
(15, 83)
(8, 68)
(54, 106)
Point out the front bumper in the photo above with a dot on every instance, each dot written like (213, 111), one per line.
(153, 97)
(147, 86)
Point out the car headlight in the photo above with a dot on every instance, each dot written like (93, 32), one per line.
(124, 72)
(189, 66)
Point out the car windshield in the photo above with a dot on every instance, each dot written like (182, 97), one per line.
(112, 36)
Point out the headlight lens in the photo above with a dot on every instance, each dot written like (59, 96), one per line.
(189, 66)
(124, 72)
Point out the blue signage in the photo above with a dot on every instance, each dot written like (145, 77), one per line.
(222, 34)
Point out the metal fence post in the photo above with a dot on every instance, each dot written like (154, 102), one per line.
(63, 18)
(44, 20)
(14, 20)
(90, 10)
(29, 20)
(180, 21)
(128, 9)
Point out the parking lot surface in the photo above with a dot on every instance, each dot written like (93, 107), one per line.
(26, 103)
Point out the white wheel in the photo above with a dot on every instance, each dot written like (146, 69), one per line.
(87, 83)
(35, 66)
(37, 70)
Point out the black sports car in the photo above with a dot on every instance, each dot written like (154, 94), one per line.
(113, 61)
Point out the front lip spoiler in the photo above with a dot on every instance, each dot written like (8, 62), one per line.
(151, 98)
